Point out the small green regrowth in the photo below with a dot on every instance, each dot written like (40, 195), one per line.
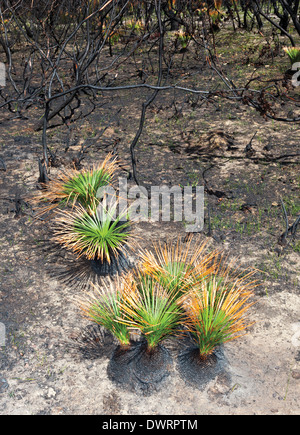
(183, 38)
(293, 54)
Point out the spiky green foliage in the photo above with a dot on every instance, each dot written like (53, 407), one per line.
(177, 267)
(293, 54)
(83, 187)
(76, 187)
(149, 308)
(215, 313)
(95, 234)
(213, 309)
(103, 307)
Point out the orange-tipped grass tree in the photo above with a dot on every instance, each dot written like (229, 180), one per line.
(103, 307)
(228, 273)
(217, 313)
(136, 306)
(94, 234)
(150, 308)
(84, 222)
(76, 187)
(178, 266)
(102, 236)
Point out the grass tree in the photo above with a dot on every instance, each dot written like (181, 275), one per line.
(293, 54)
(178, 294)
(76, 187)
(217, 313)
(100, 234)
(177, 267)
(151, 309)
(87, 220)
(103, 307)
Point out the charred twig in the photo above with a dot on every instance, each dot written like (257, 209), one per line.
(43, 176)
(286, 219)
(289, 229)
(152, 96)
(248, 148)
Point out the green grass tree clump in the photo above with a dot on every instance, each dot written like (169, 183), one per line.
(167, 302)
(103, 307)
(98, 235)
(293, 54)
(217, 313)
(178, 267)
(86, 222)
(76, 187)
(151, 308)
